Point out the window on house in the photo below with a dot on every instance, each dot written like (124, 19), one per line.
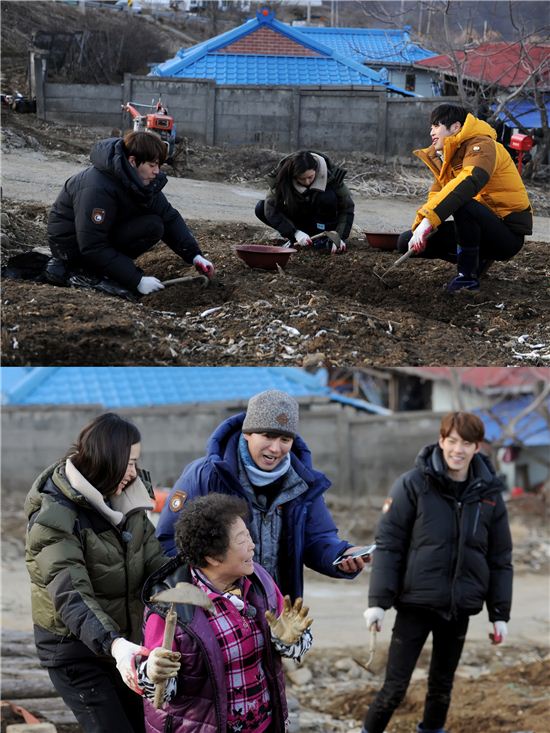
(410, 82)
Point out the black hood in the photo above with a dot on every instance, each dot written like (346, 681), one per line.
(108, 156)
(483, 477)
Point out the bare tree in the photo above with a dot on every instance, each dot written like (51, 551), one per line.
(437, 27)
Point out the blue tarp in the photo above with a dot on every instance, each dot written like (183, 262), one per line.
(525, 111)
(532, 430)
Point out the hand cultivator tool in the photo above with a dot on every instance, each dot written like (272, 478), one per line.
(181, 593)
(372, 651)
(397, 262)
(202, 279)
(333, 236)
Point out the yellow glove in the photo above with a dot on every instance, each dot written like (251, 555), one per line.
(162, 664)
(291, 624)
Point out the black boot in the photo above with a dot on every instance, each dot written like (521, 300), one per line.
(56, 272)
(468, 270)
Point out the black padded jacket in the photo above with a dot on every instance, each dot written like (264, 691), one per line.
(442, 552)
(94, 202)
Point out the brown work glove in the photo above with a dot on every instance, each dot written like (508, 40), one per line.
(162, 664)
(292, 622)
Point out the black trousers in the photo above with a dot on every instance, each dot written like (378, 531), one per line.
(102, 703)
(474, 225)
(409, 635)
(319, 215)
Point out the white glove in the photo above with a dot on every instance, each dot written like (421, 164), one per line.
(203, 265)
(500, 632)
(418, 240)
(125, 654)
(149, 285)
(337, 248)
(303, 239)
(162, 664)
(374, 615)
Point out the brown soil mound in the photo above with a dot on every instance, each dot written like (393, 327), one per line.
(333, 305)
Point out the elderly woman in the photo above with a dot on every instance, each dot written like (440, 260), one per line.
(224, 673)
(89, 548)
(308, 196)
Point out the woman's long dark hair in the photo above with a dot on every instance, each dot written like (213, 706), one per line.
(294, 165)
(102, 451)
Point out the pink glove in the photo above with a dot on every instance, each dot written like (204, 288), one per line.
(418, 240)
(203, 265)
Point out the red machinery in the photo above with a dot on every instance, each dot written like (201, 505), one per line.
(158, 121)
(521, 143)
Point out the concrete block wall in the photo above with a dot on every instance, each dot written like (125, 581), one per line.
(254, 116)
(95, 105)
(362, 454)
(284, 118)
(189, 101)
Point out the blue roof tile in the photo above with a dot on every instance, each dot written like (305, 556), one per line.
(116, 387)
(370, 45)
(339, 60)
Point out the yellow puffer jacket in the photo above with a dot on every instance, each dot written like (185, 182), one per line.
(475, 166)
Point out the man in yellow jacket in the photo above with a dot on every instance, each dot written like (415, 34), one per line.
(477, 183)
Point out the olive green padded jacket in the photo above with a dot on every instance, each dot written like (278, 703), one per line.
(87, 562)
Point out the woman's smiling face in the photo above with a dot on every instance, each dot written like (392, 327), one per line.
(131, 469)
(238, 560)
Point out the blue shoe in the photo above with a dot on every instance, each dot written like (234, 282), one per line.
(462, 282)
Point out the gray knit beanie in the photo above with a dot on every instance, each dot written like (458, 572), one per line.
(272, 412)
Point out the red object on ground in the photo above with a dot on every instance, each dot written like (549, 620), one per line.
(517, 491)
(264, 257)
(382, 240)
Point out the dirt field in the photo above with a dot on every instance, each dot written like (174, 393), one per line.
(331, 307)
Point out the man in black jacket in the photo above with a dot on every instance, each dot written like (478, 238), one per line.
(443, 549)
(114, 211)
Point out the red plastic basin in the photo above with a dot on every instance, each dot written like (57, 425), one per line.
(382, 240)
(263, 256)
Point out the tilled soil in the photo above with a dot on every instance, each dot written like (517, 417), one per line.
(330, 306)
(494, 692)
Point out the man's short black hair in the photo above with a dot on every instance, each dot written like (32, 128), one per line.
(446, 114)
(146, 147)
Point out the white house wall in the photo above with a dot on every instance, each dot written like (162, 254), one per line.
(443, 398)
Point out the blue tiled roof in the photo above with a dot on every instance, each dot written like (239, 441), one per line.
(331, 66)
(115, 387)
(284, 70)
(532, 429)
(370, 45)
(10, 378)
